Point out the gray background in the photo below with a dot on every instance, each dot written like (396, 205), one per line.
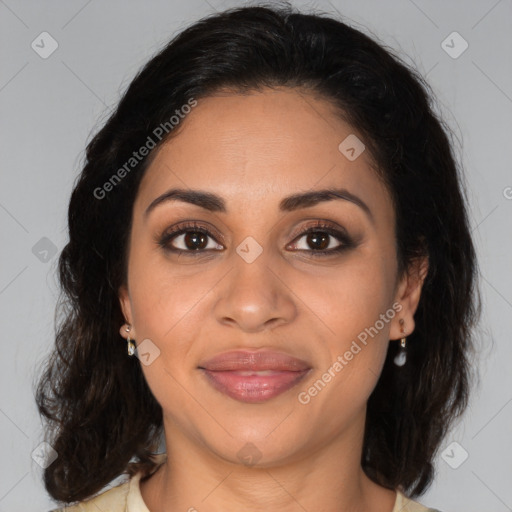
(50, 107)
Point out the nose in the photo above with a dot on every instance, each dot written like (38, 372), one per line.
(255, 296)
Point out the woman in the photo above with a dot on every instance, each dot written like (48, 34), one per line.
(270, 269)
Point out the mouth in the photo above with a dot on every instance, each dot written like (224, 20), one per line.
(254, 377)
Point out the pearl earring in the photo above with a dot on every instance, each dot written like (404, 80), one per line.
(131, 345)
(401, 356)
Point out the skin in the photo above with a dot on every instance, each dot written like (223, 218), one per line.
(253, 150)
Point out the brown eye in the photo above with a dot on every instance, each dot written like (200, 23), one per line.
(318, 240)
(323, 240)
(195, 240)
(189, 239)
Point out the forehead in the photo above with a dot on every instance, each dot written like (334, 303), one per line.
(260, 147)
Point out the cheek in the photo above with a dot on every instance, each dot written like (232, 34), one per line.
(350, 297)
(160, 297)
(171, 306)
(167, 310)
(350, 305)
(353, 308)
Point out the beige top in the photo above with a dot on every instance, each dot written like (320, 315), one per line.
(126, 497)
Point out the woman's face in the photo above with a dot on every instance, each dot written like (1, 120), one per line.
(253, 282)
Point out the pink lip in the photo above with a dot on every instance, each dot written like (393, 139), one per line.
(254, 376)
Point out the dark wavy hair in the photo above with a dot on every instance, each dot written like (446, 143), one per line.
(101, 416)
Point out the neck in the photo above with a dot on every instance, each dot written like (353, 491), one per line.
(330, 478)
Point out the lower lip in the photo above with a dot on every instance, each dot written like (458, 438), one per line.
(256, 387)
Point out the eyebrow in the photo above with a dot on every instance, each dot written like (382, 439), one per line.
(215, 203)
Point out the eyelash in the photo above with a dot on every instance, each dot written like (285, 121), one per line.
(319, 227)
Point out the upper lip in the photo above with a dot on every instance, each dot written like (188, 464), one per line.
(257, 361)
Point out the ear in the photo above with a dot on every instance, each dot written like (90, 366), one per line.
(408, 296)
(126, 308)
